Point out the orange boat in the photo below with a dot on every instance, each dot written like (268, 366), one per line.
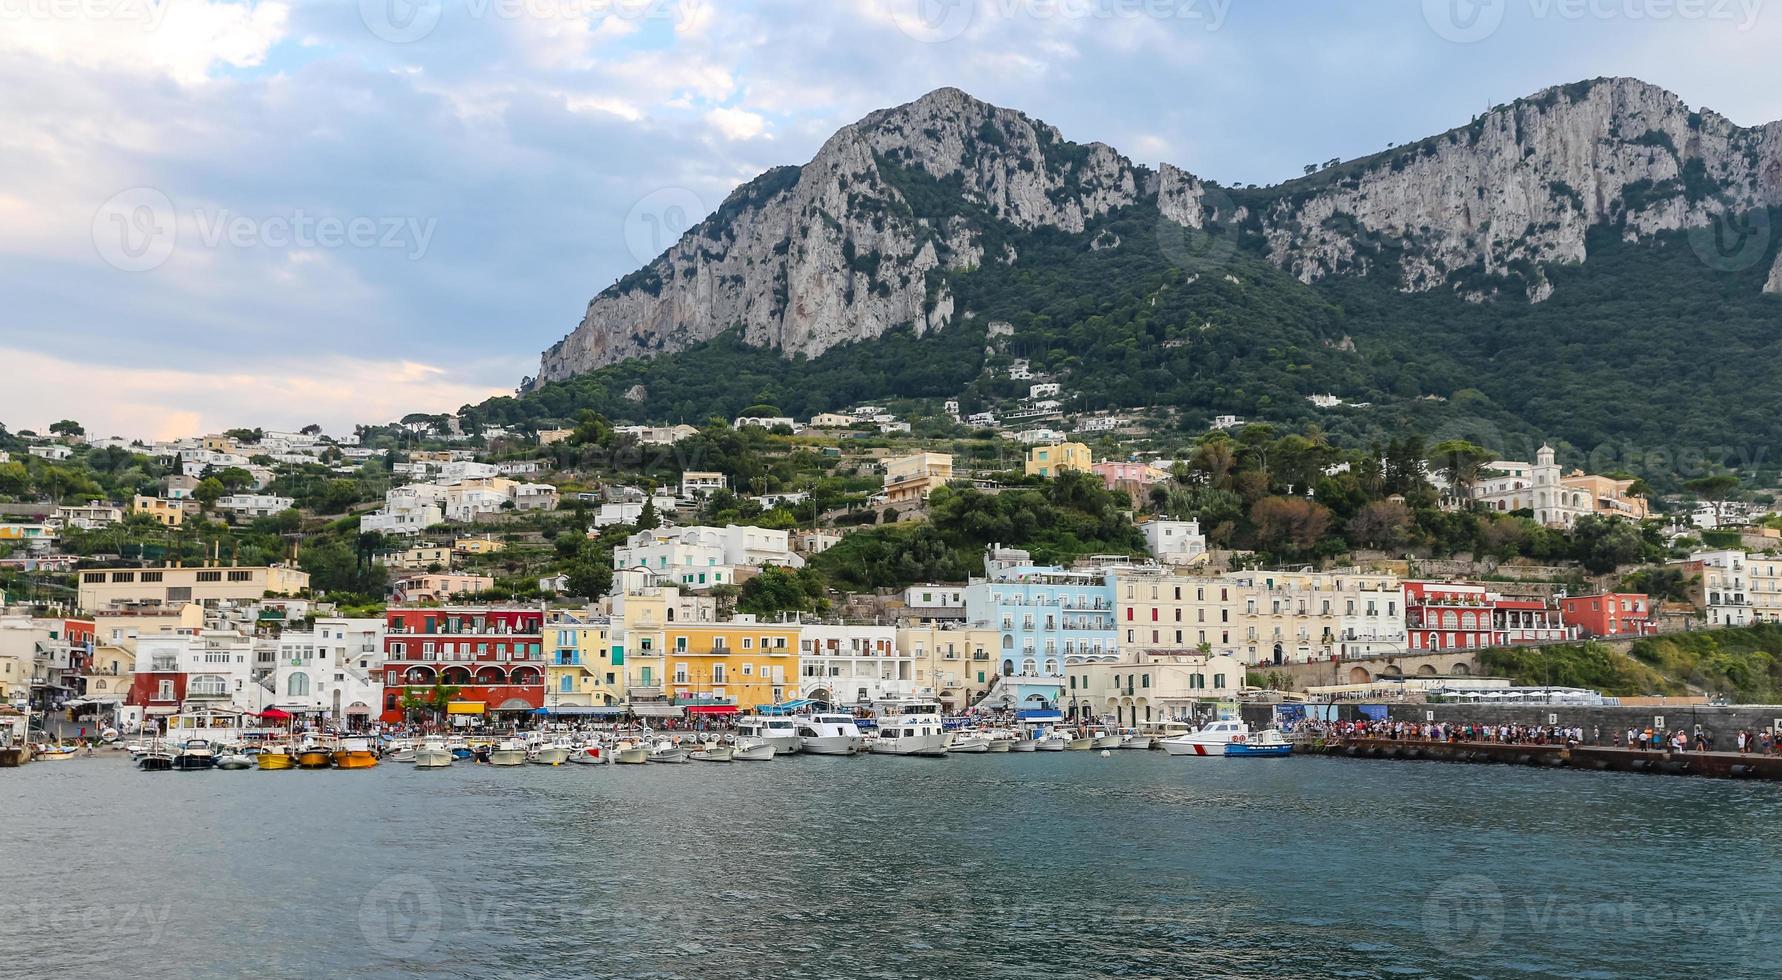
(355, 753)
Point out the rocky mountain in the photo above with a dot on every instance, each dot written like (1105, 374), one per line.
(870, 235)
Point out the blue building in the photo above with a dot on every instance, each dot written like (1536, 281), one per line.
(1047, 618)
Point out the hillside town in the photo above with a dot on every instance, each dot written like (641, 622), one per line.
(566, 572)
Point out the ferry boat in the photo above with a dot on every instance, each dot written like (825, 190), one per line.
(1209, 740)
(1267, 744)
(355, 753)
(911, 728)
(828, 734)
(781, 732)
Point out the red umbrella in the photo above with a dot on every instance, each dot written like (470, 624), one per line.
(274, 714)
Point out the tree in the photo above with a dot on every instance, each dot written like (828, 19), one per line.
(1715, 489)
(1461, 462)
(432, 701)
(1382, 524)
(208, 491)
(1603, 544)
(311, 429)
(67, 429)
(647, 518)
(1289, 523)
(234, 478)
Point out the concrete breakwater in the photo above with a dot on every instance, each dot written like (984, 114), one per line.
(1720, 765)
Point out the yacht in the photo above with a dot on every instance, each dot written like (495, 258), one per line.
(433, 753)
(1209, 740)
(781, 733)
(911, 728)
(831, 733)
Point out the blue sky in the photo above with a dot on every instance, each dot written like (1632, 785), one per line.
(272, 213)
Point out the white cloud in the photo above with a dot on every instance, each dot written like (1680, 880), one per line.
(183, 40)
(163, 403)
(737, 124)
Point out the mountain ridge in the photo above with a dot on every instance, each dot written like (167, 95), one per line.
(803, 259)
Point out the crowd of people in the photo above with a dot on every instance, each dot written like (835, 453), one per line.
(1764, 741)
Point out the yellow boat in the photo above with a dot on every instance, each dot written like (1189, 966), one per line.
(275, 759)
(314, 757)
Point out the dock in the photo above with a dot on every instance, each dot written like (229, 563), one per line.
(1715, 765)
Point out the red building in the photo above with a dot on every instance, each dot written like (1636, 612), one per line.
(1609, 614)
(1448, 616)
(80, 634)
(1518, 621)
(495, 656)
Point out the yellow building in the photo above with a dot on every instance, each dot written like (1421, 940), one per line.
(167, 512)
(740, 662)
(912, 478)
(106, 587)
(422, 558)
(955, 662)
(584, 667)
(1049, 461)
(478, 546)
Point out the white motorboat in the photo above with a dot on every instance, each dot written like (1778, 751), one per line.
(713, 752)
(508, 753)
(1209, 741)
(631, 754)
(666, 751)
(828, 733)
(1135, 740)
(590, 755)
(969, 741)
(549, 754)
(1106, 740)
(911, 728)
(780, 732)
(433, 753)
(1079, 743)
(1056, 740)
(752, 750)
(400, 751)
(234, 760)
(1024, 745)
(1002, 741)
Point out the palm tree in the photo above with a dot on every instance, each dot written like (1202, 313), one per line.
(433, 701)
(1461, 462)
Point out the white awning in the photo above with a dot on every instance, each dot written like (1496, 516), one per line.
(648, 710)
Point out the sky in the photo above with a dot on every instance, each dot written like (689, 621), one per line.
(277, 212)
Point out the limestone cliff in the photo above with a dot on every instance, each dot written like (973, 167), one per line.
(805, 258)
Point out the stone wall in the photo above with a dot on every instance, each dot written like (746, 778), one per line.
(1722, 721)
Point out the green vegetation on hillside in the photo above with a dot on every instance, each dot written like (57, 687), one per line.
(1745, 664)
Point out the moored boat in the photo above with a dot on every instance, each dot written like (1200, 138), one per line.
(752, 750)
(1266, 744)
(1024, 745)
(551, 754)
(433, 753)
(912, 728)
(194, 755)
(713, 752)
(666, 751)
(828, 733)
(632, 754)
(1079, 743)
(1208, 741)
(969, 742)
(1056, 740)
(1107, 740)
(276, 758)
(1135, 740)
(355, 753)
(56, 753)
(780, 732)
(508, 753)
(589, 755)
(314, 755)
(234, 760)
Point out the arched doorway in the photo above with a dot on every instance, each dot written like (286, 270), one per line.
(1358, 675)
(1277, 655)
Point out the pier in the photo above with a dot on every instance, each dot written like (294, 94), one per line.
(1718, 765)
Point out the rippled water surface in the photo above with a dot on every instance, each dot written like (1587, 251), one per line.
(977, 866)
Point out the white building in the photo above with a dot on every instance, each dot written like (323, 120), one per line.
(629, 512)
(1227, 421)
(51, 452)
(657, 435)
(535, 496)
(848, 665)
(701, 557)
(254, 504)
(408, 510)
(333, 672)
(457, 471)
(696, 484)
(470, 499)
(1174, 542)
(1045, 389)
(93, 514)
(765, 422)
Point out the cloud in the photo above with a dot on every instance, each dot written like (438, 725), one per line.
(165, 403)
(737, 124)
